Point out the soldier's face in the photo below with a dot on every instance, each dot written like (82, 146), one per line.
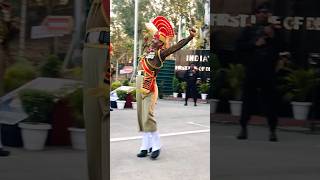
(156, 43)
(262, 15)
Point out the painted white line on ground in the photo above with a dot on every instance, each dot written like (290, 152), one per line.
(161, 135)
(193, 123)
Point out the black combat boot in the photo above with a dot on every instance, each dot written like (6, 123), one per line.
(273, 137)
(155, 154)
(143, 153)
(243, 134)
(4, 153)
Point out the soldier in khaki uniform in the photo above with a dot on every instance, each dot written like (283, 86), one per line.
(96, 105)
(147, 90)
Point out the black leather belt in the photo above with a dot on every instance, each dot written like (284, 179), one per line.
(97, 37)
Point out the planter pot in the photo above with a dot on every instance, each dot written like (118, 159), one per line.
(235, 107)
(134, 105)
(300, 110)
(213, 105)
(34, 135)
(78, 138)
(204, 96)
(121, 104)
(183, 95)
(175, 95)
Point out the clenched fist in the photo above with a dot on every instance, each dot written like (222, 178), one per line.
(192, 32)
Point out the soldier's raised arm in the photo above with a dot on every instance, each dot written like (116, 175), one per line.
(166, 52)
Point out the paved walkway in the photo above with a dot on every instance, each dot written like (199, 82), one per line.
(54, 163)
(295, 157)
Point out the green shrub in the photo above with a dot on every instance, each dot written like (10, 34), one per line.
(235, 77)
(115, 85)
(204, 88)
(122, 95)
(17, 75)
(133, 93)
(132, 84)
(76, 102)
(79, 121)
(37, 104)
(217, 78)
(300, 84)
(52, 67)
(184, 86)
(176, 85)
(76, 73)
(125, 82)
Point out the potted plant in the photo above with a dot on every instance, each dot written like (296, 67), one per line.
(204, 87)
(121, 98)
(176, 87)
(38, 105)
(134, 99)
(126, 82)
(77, 131)
(235, 76)
(184, 89)
(115, 85)
(18, 74)
(301, 84)
(52, 67)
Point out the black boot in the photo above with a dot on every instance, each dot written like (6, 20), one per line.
(243, 134)
(4, 153)
(185, 104)
(155, 154)
(143, 153)
(273, 137)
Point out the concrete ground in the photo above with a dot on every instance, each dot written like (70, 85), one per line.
(54, 163)
(185, 153)
(295, 157)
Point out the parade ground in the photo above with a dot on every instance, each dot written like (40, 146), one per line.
(53, 163)
(185, 153)
(185, 140)
(295, 157)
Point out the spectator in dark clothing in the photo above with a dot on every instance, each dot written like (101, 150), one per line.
(191, 76)
(258, 47)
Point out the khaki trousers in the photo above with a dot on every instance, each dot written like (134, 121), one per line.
(145, 107)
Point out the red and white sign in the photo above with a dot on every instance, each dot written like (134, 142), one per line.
(59, 24)
(39, 32)
(126, 70)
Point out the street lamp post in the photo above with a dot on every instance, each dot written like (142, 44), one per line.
(136, 7)
(22, 28)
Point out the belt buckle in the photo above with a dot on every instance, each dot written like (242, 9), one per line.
(99, 37)
(140, 72)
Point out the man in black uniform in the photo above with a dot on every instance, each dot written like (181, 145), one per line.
(190, 77)
(258, 47)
